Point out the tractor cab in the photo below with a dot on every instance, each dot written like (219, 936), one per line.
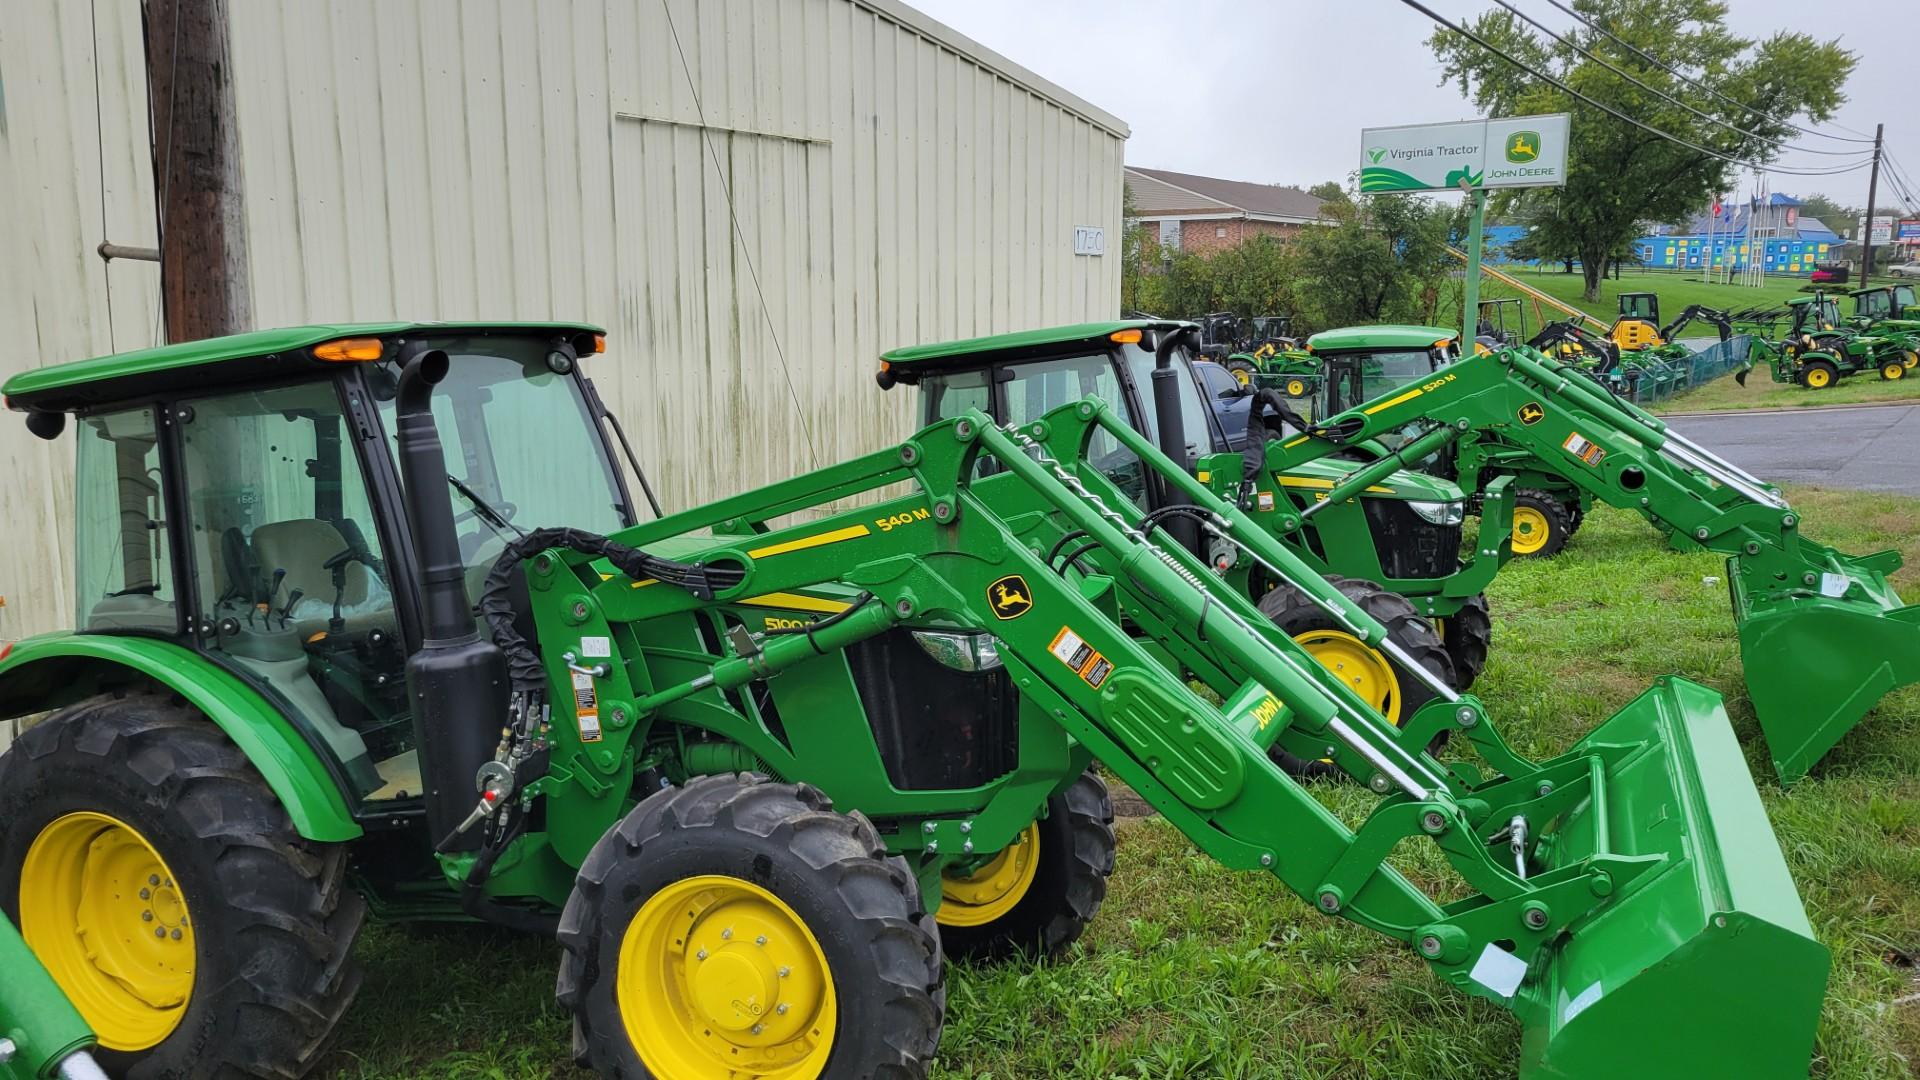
(1502, 322)
(1361, 363)
(1638, 326)
(1222, 333)
(240, 501)
(1882, 302)
(1810, 315)
(1271, 333)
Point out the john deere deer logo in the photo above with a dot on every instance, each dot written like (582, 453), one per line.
(1532, 413)
(1009, 597)
(1523, 147)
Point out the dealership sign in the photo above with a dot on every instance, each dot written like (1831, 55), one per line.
(1519, 151)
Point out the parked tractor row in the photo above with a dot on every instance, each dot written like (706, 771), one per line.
(371, 624)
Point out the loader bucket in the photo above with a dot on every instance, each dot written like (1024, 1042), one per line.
(1702, 966)
(1818, 660)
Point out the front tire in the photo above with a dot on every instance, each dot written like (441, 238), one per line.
(1380, 681)
(163, 886)
(740, 927)
(1893, 369)
(1467, 635)
(1040, 892)
(1819, 374)
(1540, 525)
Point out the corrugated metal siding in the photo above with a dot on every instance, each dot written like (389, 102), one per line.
(58, 300)
(892, 183)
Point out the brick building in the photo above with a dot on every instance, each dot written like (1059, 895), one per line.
(1203, 214)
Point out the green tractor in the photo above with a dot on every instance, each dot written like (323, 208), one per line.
(1395, 549)
(1823, 634)
(1819, 349)
(1889, 311)
(742, 769)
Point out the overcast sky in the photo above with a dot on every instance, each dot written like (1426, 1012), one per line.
(1278, 90)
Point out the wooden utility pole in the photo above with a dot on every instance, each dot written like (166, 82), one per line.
(204, 285)
(1873, 190)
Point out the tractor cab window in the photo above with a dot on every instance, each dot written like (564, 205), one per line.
(1355, 378)
(1902, 299)
(523, 449)
(1875, 305)
(1829, 313)
(125, 572)
(289, 568)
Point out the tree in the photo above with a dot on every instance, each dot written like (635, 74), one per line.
(1619, 175)
(1329, 191)
(1384, 258)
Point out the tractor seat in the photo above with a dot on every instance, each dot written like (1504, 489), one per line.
(301, 547)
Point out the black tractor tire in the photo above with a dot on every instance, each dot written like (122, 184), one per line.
(1242, 369)
(1557, 529)
(1576, 515)
(861, 906)
(1828, 377)
(1468, 635)
(1076, 849)
(1298, 616)
(272, 919)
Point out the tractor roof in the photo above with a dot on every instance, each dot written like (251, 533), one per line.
(1391, 336)
(907, 362)
(122, 376)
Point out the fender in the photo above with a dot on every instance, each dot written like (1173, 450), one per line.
(53, 670)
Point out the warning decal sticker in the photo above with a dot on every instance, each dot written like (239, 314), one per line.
(1579, 447)
(586, 706)
(1086, 662)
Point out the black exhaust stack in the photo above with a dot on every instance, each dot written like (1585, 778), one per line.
(457, 681)
(1167, 421)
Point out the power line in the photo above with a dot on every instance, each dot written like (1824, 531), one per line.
(1676, 73)
(1616, 113)
(1663, 95)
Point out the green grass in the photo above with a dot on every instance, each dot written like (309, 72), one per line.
(1194, 971)
(1761, 392)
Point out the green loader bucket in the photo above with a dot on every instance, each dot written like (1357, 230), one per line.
(1818, 659)
(1704, 965)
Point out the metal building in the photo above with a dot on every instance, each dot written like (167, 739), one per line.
(756, 197)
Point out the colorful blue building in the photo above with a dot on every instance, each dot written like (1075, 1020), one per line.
(1787, 241)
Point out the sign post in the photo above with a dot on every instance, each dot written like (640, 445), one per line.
(1472, 156)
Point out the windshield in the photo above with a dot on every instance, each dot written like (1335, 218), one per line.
(520, 437)
(1354, 378)
(1903, 296)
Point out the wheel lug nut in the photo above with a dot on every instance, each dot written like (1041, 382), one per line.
(726, 934)
(153, 879)
(785, 971)
(159, 931)
(758, 1028)
(146, 894)
(782, 1008)
(761, 940)
(701, 955)
(176, 935)
(146, 916)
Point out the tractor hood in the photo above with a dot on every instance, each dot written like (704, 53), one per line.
(1405, 484)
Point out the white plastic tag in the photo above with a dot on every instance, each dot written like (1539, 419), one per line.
(1498, 970)
(596, 646)
(1832, 584)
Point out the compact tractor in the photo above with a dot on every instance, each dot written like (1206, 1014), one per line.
(1823, 634)
(368, 624)
(1819, 349)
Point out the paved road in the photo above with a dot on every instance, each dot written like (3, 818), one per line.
(1873, 449)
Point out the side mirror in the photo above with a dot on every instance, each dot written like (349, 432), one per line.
(47, 425)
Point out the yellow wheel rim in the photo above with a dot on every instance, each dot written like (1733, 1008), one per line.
(1894, 370)
(1817, 377)
(1296, 387)
(1361, 667)
(1240, 376)
(720, 978)
(101, 910)
(1910, 358)
(1530, 529)
(994, 889)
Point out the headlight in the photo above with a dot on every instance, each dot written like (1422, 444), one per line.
(960, 650)
(1440, 513)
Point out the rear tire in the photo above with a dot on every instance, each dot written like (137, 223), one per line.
(1540, 526)
(1893, 369)
(141, 786)
(1467, 635)
(835, 910)
(1073, 858)
(1398, 692)
(1242, 370)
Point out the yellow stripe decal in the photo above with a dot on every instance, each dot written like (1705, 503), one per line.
(851, 532)
(1391, 402)
(1304, 481)
(644, 582)
(1296, 442)
(797, 602)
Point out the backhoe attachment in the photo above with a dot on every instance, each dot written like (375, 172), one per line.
(1626, 899)
(1823, 635)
